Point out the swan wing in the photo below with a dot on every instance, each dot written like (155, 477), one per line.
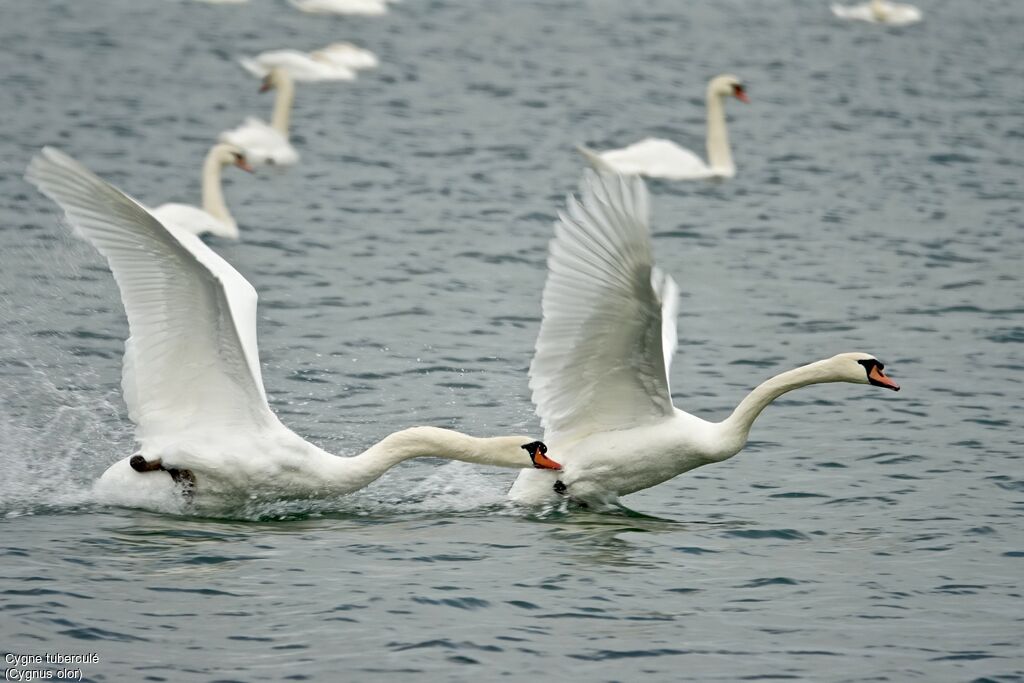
(602, 355)
(656, 158)
(191, 363)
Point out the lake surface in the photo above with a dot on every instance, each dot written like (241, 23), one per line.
(862, 536)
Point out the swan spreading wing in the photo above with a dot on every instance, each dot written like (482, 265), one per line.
(191, 364)
(608, 331)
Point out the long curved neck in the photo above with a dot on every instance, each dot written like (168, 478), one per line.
(213, 194)
(719, 154)
(283, 104)
(736, 428)
(418, 442)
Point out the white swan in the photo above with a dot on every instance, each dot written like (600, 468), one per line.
(879, 12)
(191, 374)
(263, 143)
(364, 7)
(214, 217)
(658, 158)
(600, 373)
(336, 62)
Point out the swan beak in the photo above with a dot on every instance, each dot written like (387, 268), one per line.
(880, 379)
(244, 165)
(266, 84)
(543, 462)
(741, 95)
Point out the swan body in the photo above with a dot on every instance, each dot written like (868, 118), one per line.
(879, 12)
(364, 7)
(191, 374)
(600, 372)
(268, 143)
(657, 158)
(336, 62)
(213, 217)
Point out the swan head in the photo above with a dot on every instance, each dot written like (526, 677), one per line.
(861, 368)
(230, 155)
(538, 456)
(274, 79)
(728, 85)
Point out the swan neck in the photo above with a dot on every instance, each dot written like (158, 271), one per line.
(737, 426)
(213, 193)
(719, 154)
(420, 442)
(283, 104)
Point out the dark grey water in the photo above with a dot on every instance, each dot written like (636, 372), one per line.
(877, 207)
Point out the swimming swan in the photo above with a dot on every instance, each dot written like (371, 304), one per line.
(191, 372)
(600, 374)
(268, 144)
(879, 12)
(656, 158)
(336, 62)
(214, 217)
(364, 7)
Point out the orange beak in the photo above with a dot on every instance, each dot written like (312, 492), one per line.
(543, 462)
(881, 379)
(266, 85)
(244, 165)
(741, 95)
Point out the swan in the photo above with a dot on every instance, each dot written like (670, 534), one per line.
(879, 12)
(213, 217)
(336, 62)
(600, 374)
(658, 158)
(268, 144)
(364, 7)
(191, 373)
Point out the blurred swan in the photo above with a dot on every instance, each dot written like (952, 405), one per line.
(600, 374)
(191, 372)
(658, 158)
(336, 62)
(365, 7)
(214, 217)
(879, 12)
(263, 143)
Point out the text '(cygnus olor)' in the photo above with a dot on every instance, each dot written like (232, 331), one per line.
(600, 375)
(657, 158)
(191, 372)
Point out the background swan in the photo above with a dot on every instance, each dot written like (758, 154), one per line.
(365, 7)
(214, 217)
(600, 375)
(263, 143)
(879, 12)
(336, 62)
(191, 374)
(657, 158)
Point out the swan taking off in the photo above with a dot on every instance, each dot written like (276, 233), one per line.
(214, 217)
(879, 12)
(268, 144)
(336, 62)
(657, 158)
(600, 374)
(191, 372)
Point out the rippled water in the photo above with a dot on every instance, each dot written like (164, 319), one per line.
(877, 207)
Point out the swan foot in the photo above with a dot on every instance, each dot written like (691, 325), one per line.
(182, 477)
(560, 487)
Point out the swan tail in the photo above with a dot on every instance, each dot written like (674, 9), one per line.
(594, 158)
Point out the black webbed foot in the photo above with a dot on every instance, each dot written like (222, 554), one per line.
(182, 477)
